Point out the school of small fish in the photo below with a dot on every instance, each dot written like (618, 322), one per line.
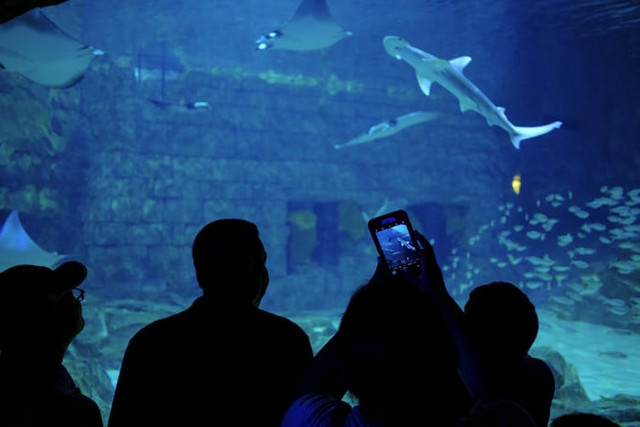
(577, 252)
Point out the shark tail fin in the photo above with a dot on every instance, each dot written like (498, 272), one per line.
(525, 132)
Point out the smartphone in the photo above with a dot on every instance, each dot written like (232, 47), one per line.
(395, 240)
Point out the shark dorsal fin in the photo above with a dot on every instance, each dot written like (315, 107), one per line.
(460, 63)
(425, 84)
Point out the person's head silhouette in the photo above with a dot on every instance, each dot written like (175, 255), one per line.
(391, 338)
(229, 260)
(502, 320)
(40, 310)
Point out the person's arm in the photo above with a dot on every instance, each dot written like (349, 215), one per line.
(324, 374)
(431, 282)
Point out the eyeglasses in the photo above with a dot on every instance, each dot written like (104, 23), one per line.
(78, 294)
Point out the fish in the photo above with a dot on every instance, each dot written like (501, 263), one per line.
(449, 75)
(311, 27)
(390, 127)
(16, 247)
(580, 264)
(181, 106)
(516, 183)
(565, 239)
(613, 354)
(33, 46)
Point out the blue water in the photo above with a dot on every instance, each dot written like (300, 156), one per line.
(117, 172)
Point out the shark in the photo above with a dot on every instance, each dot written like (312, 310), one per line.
(311, 27)
(33, 46)
(448, 74)
(17, 248)
(389, 127)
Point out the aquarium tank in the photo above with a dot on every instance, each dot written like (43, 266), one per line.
(127, 126)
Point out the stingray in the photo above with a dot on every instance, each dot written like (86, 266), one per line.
(390, 127)
(16, 247)
(310, 28)
(35, 47)
(12, 8)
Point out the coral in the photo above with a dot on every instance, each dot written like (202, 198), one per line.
(350, 221)
(272, 77)
(303, 237)
(47, 199)
(303, 219)
(335, 85)
(403, 93)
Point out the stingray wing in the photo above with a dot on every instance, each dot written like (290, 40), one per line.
(35, 47)
(310, 28)
(12, 8)
(390, 127)
(16, 247)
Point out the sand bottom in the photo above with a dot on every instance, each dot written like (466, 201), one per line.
(607, 359)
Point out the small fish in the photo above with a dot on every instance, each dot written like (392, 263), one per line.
(614, 354)
(533, 285)
(584, 251)
(616, 192)
(580, 264)
(582, 214)
(547, 226)
(565, 239)
(516, 183)
(634, 194)
(601, 201)
(540, 217)
(597, 226)
(562, 300)
(540, 261)
(533, 234)
(513, 260)
(181, 106)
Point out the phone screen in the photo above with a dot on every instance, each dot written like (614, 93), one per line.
(395, 242)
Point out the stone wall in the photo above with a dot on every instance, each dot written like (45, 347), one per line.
(264, 152)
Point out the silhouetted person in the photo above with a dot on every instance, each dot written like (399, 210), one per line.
(223, 360)
(403, 349)
(581, 419)
(40, 314)
(394, 353)
(503, 324)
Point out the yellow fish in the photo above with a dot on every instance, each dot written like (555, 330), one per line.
(516, 183)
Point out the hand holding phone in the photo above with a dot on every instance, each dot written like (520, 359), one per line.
(395, 241)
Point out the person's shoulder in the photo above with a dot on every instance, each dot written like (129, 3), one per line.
(283, 334)
(280, 323)
(536, 368)
(163, 327)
